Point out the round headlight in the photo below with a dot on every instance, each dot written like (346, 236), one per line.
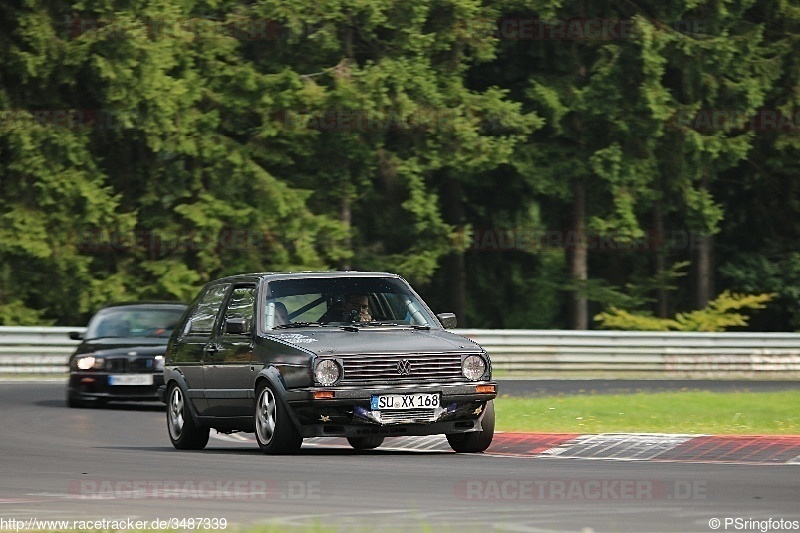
(327, 372)
(473, 367)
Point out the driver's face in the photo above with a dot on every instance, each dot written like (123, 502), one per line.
(359, 303)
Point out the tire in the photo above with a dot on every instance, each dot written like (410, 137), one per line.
(183, 432)
(476, 441)
(275, 432)
(365, 443)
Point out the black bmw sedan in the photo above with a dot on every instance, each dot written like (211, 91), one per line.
(121, 354)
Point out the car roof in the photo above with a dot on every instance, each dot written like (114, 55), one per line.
(269, 276)
(146, 304)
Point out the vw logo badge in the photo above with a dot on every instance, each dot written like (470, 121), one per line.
(403, 367)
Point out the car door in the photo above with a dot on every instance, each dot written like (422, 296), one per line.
(227, 370)
(192, 346)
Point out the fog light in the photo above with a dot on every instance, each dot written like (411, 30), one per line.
(485, 389)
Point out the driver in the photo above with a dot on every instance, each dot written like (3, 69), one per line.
(356, 308)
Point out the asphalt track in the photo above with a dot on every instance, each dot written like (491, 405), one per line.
(116, 464)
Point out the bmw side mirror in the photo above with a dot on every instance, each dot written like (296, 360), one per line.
(448, 320)
(76, 335)
(236, 326)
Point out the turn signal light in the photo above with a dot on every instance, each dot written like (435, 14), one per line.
(485, 388)
(323, 394)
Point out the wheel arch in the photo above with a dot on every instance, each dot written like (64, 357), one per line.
(271, 376)
(180, 380)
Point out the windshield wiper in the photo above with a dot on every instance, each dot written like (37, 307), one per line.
(298, 325)
(378, 323)
(412, 326)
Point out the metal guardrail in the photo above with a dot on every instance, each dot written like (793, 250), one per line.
(35, 350)
(673, 354)
(45, 350)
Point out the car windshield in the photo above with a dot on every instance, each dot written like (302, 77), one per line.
(133, 322)
(340, 301)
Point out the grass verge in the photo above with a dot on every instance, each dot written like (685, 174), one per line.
(742, 413)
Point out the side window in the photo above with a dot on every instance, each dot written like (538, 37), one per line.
(241, 305)
(202, 320)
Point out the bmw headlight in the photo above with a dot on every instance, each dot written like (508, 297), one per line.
(89, 362)
(473, 367)
(327, 372)
(159, 362)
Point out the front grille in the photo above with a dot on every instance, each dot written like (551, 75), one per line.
(139, 364)
(402, 368)
(408, 416)
(116, 365)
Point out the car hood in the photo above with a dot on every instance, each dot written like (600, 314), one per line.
(109, 347)
(332, 341)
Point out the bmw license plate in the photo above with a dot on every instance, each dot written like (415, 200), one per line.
(404, 401)
(130, 379)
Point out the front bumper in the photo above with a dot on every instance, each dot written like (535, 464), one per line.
(349, 413)
(94, 386)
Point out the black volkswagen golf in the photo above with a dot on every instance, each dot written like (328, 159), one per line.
(349, 354)
(121, 354)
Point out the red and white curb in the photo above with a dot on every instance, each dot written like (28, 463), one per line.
(744, 449)
(737, 449)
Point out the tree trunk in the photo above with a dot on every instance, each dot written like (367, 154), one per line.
(578, 257)
(703, 263)
(704, 282)
(657, 239)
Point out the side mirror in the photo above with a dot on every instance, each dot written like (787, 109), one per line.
(448, 320)
(76, 335)
(236, 326)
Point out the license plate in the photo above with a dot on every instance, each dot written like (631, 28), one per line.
(131, 379)
(404, 401)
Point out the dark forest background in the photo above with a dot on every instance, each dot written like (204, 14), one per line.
(525, 164)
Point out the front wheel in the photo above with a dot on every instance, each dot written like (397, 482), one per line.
(365, 443)
(183, 432)
(476, 441)
(275, 432)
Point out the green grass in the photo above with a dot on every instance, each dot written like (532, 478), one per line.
(742, 413)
